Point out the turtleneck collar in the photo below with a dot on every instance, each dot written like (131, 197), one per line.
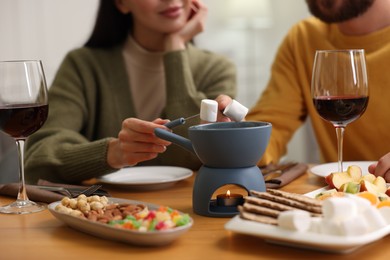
(142, 58)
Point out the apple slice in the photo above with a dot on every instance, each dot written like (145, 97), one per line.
(369, 186)
(381, 184)
(355, 172)
(337, 179)
(369, 177)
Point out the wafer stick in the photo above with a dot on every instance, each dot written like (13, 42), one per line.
(297, 197)
(256, 217)
(292, 202)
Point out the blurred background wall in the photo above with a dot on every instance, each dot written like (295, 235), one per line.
(247, 31)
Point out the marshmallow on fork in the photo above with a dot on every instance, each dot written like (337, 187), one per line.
(209, 110)
(235, 111)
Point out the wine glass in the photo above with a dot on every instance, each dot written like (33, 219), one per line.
(339, 89)
(23, 110)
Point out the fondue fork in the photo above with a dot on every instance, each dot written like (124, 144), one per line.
(179, 121)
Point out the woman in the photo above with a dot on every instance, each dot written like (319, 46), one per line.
(138, 65)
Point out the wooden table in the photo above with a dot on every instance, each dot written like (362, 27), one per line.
(41, 236)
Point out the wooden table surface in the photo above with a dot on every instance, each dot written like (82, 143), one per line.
(41, 236)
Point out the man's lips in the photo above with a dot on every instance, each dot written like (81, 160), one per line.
(172, 12)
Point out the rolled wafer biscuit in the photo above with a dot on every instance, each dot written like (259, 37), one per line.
(267, 203)
(261, 210)
(257, 218)
(296, 197)
(288, 201)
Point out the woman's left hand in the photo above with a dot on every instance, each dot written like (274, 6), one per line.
(194, 26)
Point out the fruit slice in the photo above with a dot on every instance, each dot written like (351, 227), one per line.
(368, 186)
(355, 172)
(381, 184)
(350, 187)
(337, 179)
(369, 177)
(383, 203)
(372, 197)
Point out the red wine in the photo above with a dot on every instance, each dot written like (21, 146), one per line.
(340, 110)
(20, 121)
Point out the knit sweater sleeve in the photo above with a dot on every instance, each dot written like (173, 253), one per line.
(63, 150)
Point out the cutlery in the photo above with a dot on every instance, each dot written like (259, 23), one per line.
(270, 173)
(73, 192)
(90, 190)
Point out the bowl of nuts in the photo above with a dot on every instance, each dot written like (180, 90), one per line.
(128, 221)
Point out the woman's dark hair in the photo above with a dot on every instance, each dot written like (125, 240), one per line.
(111, 27)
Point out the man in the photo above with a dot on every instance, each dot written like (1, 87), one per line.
(287, 102)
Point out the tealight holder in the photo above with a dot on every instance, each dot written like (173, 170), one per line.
(208, 180)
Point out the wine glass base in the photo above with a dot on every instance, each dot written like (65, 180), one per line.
(23, 207)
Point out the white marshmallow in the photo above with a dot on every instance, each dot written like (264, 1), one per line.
(330, 227)
(235, 111)
(385, 212)
(361, 203)
(374, 218)
(297, 220)
(315, 224)
(354, 226)
(209, 110)
(339, 209)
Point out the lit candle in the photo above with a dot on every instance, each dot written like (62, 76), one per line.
(229, 199)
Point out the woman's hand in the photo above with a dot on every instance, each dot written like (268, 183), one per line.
(382, 167)
(194, 26)
(136, 142)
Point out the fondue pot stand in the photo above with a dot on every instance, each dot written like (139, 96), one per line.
(229, 152)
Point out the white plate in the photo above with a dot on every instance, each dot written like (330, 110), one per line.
(148, 238)
(146, 177)
(327, 168)
(307, 240)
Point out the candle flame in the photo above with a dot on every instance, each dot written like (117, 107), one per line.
(228, 193)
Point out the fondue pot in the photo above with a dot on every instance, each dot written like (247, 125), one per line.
(229, 152)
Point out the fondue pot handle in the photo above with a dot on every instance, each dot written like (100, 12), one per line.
(174, 138)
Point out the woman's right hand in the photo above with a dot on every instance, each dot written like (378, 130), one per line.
(136, 142)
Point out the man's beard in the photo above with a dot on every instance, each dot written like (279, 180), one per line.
(334, 11)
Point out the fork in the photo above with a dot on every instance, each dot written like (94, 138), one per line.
(88, 191)
(71, 192)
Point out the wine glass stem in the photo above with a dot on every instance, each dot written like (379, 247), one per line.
(22, 194)
(340, 138)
